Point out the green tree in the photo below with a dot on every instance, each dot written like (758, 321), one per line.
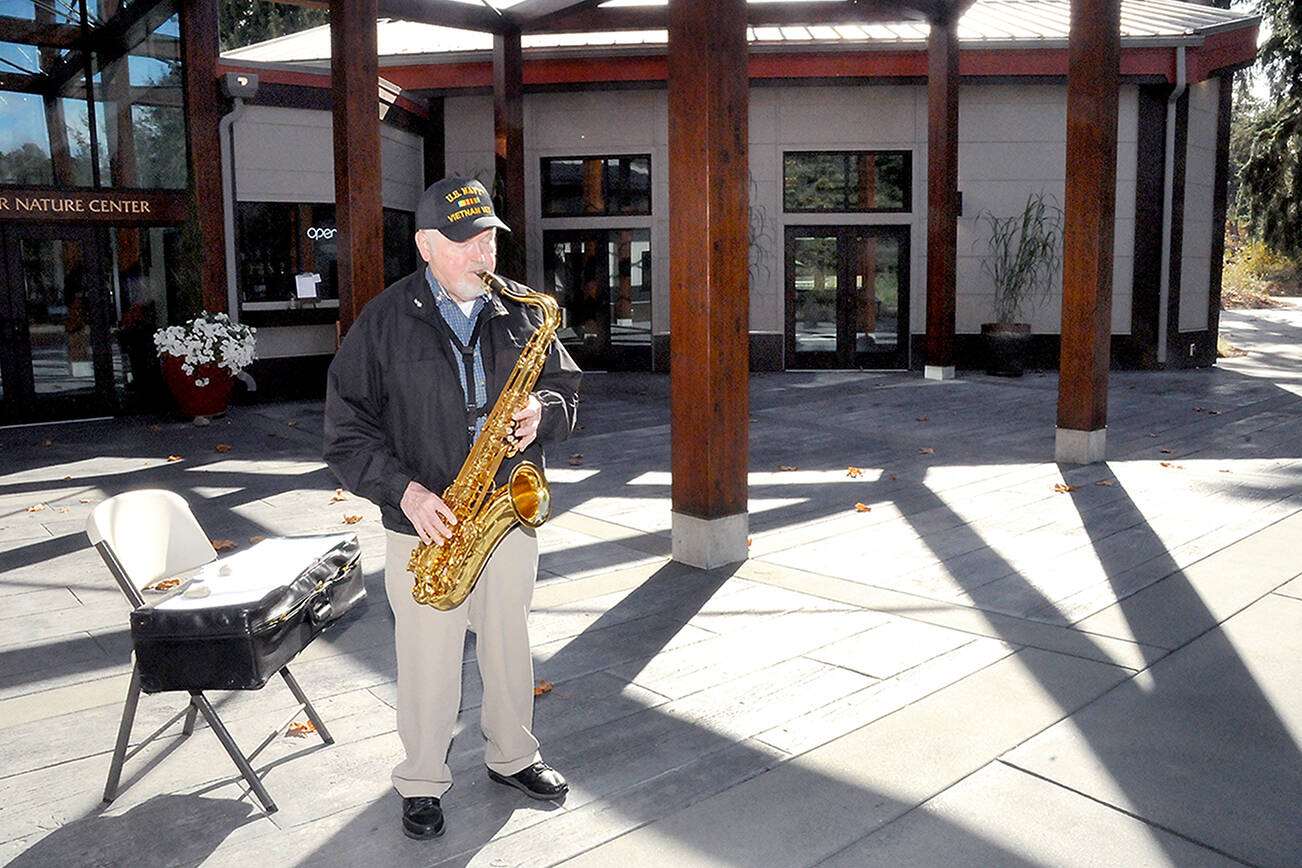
(244, 22)
(1270, 178)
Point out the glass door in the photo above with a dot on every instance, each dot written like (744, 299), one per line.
(602, 279)
(847, 296)
(56, 361)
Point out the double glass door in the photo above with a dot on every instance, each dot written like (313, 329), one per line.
(847, 293)
(56, 359)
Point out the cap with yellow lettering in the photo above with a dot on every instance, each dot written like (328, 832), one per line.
(457, 207)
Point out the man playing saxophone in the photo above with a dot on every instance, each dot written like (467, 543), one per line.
(407, 395)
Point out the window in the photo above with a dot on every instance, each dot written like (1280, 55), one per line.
(596, 186)
(278, 240)
(846, 181)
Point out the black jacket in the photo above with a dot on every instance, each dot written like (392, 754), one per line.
(394, 408)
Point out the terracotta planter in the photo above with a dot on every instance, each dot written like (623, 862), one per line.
(1006, 347)
(193, 399)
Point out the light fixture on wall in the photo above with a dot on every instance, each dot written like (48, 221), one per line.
(240, 85)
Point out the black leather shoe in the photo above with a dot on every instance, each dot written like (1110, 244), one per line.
(422, 817)
(538, 781)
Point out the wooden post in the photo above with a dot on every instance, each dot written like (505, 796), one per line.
(508, 135)
(203, 112)
(942, 195)
(709, 278)
(354, 77)
(1094, 50)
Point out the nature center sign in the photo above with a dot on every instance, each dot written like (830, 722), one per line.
(77, 206)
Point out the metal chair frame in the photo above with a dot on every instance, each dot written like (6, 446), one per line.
(198, 703)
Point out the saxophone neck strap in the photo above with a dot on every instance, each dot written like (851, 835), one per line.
(474, 411)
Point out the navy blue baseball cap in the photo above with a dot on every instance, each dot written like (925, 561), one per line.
(460, 208)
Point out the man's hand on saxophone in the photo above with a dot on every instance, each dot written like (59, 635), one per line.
(526, 423)
(427, 512)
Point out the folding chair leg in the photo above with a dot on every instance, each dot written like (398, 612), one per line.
(233, 749)
(307, 706)
(124, 736)
(190, 714)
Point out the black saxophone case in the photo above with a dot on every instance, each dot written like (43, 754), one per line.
(260, 608)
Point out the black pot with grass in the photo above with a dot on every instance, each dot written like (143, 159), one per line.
(1024, 253)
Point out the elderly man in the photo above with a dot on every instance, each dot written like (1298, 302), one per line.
(407, 394)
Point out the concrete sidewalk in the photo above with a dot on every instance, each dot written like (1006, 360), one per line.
(997, 661)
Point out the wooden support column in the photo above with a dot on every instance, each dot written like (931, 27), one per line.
(942, 195)
(203, 110)
(1094, 52)
(508, 135)
(354, 77)
(709, 278)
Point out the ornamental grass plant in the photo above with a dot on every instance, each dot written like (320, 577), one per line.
(1024, 254)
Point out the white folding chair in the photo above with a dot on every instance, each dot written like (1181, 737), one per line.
(148, 535)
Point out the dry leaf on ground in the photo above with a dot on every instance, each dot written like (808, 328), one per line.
(543, 687)
(1165, 451)
(786, 467)
(352, 519)
(155, 428)
(174, 458)
(926, 450)
(36, 507)
(863, 507)
(84, 500)
(853, 472)
(1104, 482)
(222, 545)
(339, 495)
(256, 539)
(1063, 488)
(921, 419)
(222, 447)
(300, 730)
(64, 509)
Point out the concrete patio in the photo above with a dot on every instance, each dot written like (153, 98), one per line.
(997, 660)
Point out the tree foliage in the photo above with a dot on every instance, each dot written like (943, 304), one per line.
(1270, 176)
(244, 22)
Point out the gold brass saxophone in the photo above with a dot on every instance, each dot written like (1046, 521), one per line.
(446, 574)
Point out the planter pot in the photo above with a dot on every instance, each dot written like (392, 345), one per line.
(193, 399)
(1006, 347)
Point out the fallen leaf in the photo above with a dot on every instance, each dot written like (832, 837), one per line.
(1226, 470)
(291, 424)
(574, 462)
(352, 519)
(163, 585)
(1063, 488)
(894, 477)
(36, 507)
(1151, 434)
(174, 458)
(271, 433)
(222, 447)
(223, 544)
(1104, 482)
(1198, 409)
(155, 428)
(576, 455)
(48, 443)
(853, 472)
(256, 539)
(543, 687)
(84, 500)
(786, 467)
(67, 478)
(926, 450)
(64, 509)
(1169, 464)
(921, 419)
(1165, 451)
(1213, 412)
(862, 507)
(339, 496)
(300, 730)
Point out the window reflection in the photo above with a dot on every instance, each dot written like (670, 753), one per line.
(846, 181)
(587, 186)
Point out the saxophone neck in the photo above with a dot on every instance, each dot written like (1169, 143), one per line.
(523, 295)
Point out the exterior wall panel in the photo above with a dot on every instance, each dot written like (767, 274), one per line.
(1200, 174)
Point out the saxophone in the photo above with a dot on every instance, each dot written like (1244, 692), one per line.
(447, 573)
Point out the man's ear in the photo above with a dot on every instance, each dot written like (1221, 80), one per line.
(424, 246)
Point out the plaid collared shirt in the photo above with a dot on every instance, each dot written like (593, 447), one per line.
(463, 327)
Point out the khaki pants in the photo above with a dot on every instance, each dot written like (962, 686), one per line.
(429, 645)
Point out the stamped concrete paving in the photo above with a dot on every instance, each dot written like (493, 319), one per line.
(979, 668)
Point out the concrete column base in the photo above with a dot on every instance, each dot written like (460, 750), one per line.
(938, 372)
(710, 543)
(1080, 447)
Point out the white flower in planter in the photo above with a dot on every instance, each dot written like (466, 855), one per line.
(209, 338)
